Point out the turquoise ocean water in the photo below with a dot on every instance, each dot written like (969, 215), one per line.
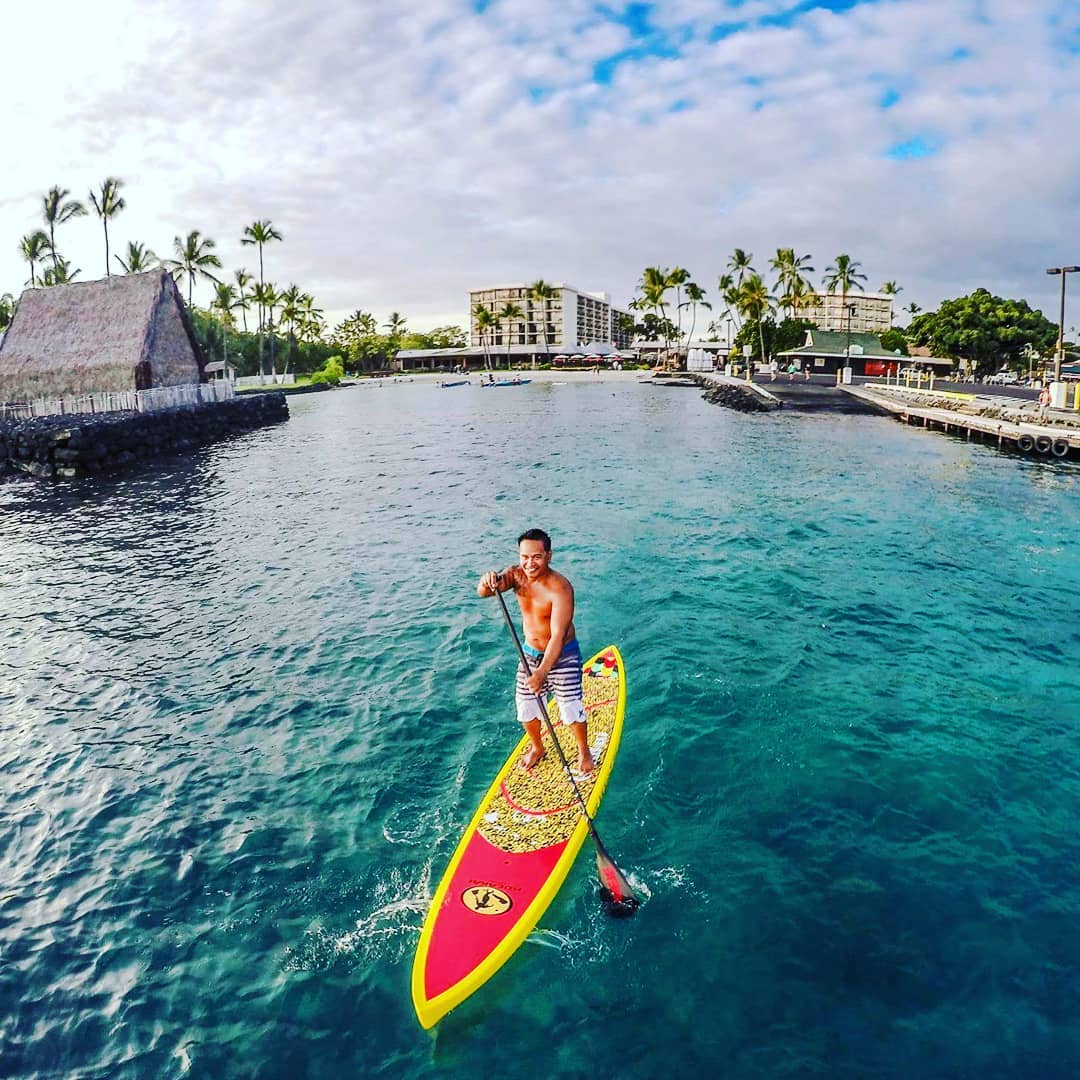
(250, 700)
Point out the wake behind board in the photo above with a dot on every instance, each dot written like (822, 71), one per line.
(516, 852)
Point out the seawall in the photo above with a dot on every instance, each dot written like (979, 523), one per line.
(82, 444)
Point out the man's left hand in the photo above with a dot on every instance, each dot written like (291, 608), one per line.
(536, 682)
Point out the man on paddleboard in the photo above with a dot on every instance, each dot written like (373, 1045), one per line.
(546, 600)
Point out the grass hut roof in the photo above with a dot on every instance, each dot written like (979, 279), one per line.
(120, 333)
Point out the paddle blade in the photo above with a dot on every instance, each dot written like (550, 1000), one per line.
(615, 893)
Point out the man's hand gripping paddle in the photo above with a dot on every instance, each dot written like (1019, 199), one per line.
(615, 892)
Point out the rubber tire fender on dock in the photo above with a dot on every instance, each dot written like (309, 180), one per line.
(1025, 443)
(1060, 447)
(1043, 444)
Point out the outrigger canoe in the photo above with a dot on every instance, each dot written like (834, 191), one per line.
(516, 852)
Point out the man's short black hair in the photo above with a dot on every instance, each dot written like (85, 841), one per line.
(536, 534)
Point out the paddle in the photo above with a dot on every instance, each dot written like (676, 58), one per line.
(615, 892)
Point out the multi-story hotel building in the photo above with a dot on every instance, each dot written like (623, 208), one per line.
(870, 313)
(571, 319)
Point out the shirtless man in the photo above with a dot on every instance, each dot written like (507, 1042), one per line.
(546, 600)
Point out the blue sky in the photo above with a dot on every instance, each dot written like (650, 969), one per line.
(407, 155)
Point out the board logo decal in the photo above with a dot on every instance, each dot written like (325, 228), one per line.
(484, 900)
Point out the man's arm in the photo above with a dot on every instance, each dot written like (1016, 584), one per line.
(497, 581)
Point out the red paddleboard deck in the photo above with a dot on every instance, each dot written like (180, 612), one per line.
(516, 852)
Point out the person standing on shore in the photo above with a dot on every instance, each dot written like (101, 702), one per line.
(1044, 403)
(546, 599)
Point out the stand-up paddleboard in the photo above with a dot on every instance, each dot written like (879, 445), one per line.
(516, 852)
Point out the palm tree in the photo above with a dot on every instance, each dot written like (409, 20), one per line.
(194, 253)
(33, 247)
(311, 319)
(291, 300)
(791, 282)
(107, 204)
(890, 288)
(139, 258)
(485, 320)
(739, 265)
(56, 209)
(225, 302)
(653, 287)
(60, 274)
(260, 233)
(845, 273)
(510, 314)
(541, 292)
(695, 295)
(755, 303)
(268, 298)
(676, 279)
(243, 280)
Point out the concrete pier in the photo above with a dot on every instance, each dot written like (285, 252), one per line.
(960, 414)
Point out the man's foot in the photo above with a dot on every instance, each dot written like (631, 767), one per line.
(585, 765)
(531, 758)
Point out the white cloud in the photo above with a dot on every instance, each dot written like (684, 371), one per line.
(402, 157)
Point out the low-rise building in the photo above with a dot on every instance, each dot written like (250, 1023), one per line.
(825, 352)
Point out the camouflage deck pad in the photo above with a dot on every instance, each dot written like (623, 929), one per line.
(544, 789)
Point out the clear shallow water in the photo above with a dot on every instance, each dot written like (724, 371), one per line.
(249, 702)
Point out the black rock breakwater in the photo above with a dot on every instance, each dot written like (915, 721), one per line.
(54, 447)
(732, 396)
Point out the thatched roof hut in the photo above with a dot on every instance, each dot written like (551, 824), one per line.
(118, 334)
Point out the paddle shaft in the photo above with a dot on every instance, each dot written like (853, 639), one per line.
(551, 728)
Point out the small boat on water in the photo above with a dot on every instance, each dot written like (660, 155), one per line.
(505, 382)
(455, 382)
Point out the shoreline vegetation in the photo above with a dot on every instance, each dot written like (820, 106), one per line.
(288, 331)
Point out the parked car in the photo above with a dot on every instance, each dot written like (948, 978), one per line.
(1003, 378)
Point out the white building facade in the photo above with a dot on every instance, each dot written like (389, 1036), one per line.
(571, 319)
(869, 313)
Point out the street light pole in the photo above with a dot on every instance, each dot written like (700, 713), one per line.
(847, 347)
(1059, 356)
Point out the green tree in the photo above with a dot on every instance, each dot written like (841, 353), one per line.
(986, 330)
(7, 310)
(260, 233)
(33, 247)
(791, 284)
(894, 339)
(509, 314)
(194, 253)
(60, 274)
(396, 328)
(243, 296)
(844, 273)
(769, 338)
(107, 203)
(484, 318)
(755, 303)
(224, 303)
(739, 265)
(540, 292)
(56, 209)
(695, 297)
(139, 258)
